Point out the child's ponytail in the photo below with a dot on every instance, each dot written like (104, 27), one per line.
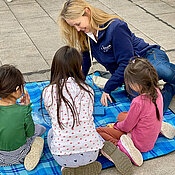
(157, 110)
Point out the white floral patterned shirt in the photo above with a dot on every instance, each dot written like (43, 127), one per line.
(83, 137)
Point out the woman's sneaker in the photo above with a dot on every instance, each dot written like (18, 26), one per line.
(93, 168)
(126, 145)
(167, 130)
(121, 161)
(34, 155)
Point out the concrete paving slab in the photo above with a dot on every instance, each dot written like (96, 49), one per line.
(51, 4)
(169, 18)
(38, 77)
(43, 32)
(3, 6)
(52, 7)
(171, 55)
(27, 10)
(49, 61)
(156, 7)
(53, 14)
(160, 33)
(117, 4)
(100, 5)
(15, 41)
(145, 1)
(123, 8)
(27, 59)
(26, 78)
(39, 24)
(170, 2)
(20, 2)
(6, 18)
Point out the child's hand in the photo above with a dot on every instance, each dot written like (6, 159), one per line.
(25, 99)
(110, 125)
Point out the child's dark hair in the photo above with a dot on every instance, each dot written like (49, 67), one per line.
(10, 78)
(67, 63)
(140, 71)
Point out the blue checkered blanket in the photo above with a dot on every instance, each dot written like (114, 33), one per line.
(48, 165)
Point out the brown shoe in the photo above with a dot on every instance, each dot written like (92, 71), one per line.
(121, 161)
(93, 168)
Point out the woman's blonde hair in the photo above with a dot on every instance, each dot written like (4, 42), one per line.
(73, 9)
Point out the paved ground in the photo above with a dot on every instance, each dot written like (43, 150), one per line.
(29, 37)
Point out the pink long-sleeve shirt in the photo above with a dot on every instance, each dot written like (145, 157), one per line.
(142, 122)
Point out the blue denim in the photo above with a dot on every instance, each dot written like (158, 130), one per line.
(165, 71)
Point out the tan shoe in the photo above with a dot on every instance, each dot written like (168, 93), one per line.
(121, 161)
(93, 168)
(167, 130)
(130, 150)
(34, 155)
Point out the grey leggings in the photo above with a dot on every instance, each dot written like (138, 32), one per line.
(17, 156)
(73, 160)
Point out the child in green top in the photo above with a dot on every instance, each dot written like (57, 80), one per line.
(19, 141)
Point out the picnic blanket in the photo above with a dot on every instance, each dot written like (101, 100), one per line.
(48, 165)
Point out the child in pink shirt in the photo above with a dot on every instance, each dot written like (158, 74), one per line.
(138, 130)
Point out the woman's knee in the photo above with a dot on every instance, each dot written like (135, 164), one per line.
(166, 72)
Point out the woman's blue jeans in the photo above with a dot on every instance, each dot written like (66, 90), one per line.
(166, 72)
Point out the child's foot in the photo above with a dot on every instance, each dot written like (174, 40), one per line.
(93, 168)
(167, 130)
(126, 145)
(33, 157)
(121, 161)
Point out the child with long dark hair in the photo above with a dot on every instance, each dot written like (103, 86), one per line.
(73, 139)
(138, 130)
(19, 136)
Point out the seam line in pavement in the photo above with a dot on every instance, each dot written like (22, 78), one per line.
(37, 72)
(170, 50)
(152, 14)
(45, 11)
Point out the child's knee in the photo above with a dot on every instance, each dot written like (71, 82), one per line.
(122, 116)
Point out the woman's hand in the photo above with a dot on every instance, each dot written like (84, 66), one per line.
(25, 99)
(104, 99)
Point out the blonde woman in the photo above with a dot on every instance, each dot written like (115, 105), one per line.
(112, 44)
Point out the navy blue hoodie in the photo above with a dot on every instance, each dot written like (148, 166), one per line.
(114, 48)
